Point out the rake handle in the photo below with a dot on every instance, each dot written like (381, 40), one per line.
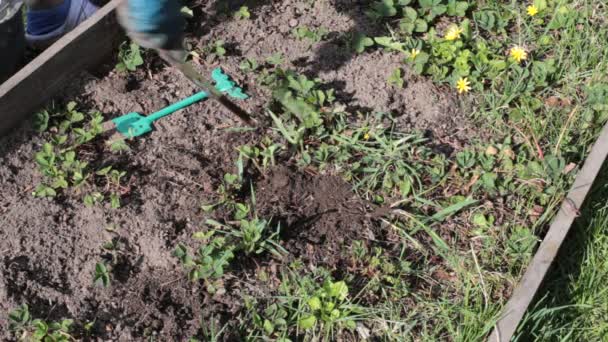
(177, 106)
(201, 82)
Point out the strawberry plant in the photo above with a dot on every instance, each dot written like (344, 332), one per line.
(25, 328)
(314, 35)
(101, 276)
(129, 57)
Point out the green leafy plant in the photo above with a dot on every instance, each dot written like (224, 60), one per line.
(60, 165)
(361, 42)
(249, 65)
(113, 184)
(25, 328)
(314, 35)
(327, 306)
(218, 49)
(101, 276)
(129, 57)
(243, 13)
(382, 9)
(271, 322)
(262, 155)
(302, 103)
(396, 79)
(210, 259)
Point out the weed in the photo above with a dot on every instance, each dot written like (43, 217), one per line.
(209, 261)
(272, 321)
(262, 155)
(113, 184)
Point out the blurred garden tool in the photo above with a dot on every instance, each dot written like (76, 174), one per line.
(188, 70)
(134, 124)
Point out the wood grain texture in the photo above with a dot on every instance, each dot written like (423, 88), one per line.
(39, 81)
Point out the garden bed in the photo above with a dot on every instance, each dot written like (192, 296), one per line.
(431, 242)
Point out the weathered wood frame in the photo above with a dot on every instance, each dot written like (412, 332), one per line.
(33, 86)
(90, 43)
(558, 231)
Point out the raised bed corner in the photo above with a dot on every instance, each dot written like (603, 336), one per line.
(33, 86)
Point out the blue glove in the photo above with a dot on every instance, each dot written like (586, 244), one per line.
(156, 24)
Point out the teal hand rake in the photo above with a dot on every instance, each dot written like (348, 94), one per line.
(134, 124)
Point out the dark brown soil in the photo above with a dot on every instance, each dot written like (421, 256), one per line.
(49, 248)
(319, 215)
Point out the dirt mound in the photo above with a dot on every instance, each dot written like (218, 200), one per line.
(318, 214)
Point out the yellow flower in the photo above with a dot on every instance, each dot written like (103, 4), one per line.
(414, 53)
(366, 136)
(453, 33)
(518, 54)
(463, 85)
(532, 10)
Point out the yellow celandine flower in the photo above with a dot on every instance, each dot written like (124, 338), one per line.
(414, 53)
(518, 54)
(453, 33)
(366, 136)
(532, 10)
(463, 85)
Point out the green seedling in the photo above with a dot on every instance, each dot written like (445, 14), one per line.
(209, 261)
(218, 49)
(129, 57)
(396, 79)
(276, 59)
(101, 277)
(113, 184)
(303, 103)
(361, 42)
(58, 160)
(242, 13)
(25, 328)
(249, 65)
(328, 307)
(382, 9)
(252, 236)
(270, 323)
(262, 156)
(314, 35)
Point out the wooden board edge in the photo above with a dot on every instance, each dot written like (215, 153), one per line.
(538, 268)
(40, 80)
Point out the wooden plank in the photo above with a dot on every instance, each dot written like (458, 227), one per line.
(526, 290)
(39, 81)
